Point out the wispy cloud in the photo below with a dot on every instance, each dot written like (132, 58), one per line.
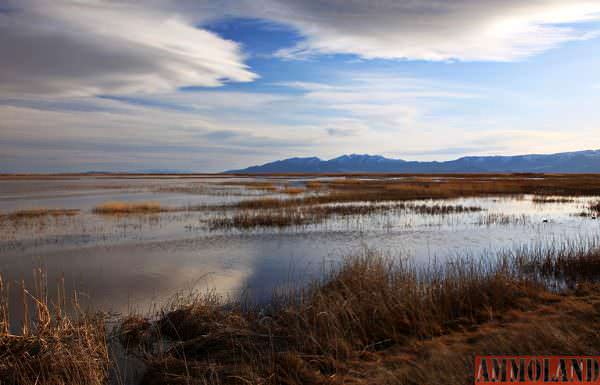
(95, 47)
(483, 30)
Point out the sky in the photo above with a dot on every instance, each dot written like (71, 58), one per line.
(206, 86)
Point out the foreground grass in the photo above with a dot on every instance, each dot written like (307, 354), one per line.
(370, 320)
(376, 320)
(51, 347)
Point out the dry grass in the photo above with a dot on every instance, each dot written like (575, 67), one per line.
(376, 320)
(550, 199)
(380, 189)
(503, 219)
(305, 215)
(39, 213)
(109, 208)
(51, 347)
(292, 190)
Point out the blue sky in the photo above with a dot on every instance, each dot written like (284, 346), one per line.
(208, 86)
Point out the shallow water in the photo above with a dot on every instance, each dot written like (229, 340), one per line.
(125, 263)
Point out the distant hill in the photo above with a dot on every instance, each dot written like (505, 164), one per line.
(566, 162)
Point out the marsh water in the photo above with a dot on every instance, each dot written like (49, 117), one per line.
(124, 263)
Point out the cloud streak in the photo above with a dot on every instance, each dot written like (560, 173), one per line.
(468, 30)
(100, 47)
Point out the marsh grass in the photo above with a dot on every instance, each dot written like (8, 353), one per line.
(39, 213)
(292, 190)
(503, 219)
(551, 199)
(51, 347)
(546, 188)
(305, 215)
(384, 316)
(115, 207)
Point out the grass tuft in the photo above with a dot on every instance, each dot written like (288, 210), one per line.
(51, 347)
(128, 208)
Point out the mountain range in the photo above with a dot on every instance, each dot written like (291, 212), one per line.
(566, 162)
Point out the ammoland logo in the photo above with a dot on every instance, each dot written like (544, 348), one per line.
(534, 370)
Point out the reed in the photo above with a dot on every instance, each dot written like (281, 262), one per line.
(292, 190)
(546, 188)
(304, 215)
(550, 199)
(376, 319)
(39, 213)
(51, 347)
(109, 208)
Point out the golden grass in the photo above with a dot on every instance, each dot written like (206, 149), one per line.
(51, 347)
(550, 199)
(380, 189)
(292, 190)
(39, 212)
(129, 208)
(376, 320)
(313, 184)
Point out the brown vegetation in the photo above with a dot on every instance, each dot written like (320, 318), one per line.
(51, 348)
(304, 215)
(292, 190)
(544, 199)
(377, 320)
(38, 213)
(380, 189)
(129, 208)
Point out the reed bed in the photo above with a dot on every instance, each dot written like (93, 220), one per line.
(305, 215)
(380, 189)
(503, 219)
(373, 319)
(39, 213)
(550, 199)
(50, 347)
(109, 208)
(292, 190)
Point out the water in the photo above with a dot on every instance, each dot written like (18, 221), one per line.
(130, 263)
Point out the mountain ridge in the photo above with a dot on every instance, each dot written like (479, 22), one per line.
(586, 161)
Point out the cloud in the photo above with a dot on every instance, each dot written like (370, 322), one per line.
(341, 132)
(469, 30)
(95, 47)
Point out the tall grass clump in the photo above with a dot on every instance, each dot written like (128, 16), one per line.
(39, 213)
(50, 347)
(304, 336)
(128, 208)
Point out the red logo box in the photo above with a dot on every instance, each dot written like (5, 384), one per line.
(535, 370)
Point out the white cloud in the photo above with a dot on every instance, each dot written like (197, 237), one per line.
(471, 30)
(100, 47)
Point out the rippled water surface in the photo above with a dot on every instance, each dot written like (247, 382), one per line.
(119, 263)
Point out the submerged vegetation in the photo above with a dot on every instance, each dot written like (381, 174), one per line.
(304, 215)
